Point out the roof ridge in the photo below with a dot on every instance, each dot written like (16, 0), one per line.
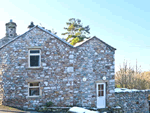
(104, 42)
(99, 40)
(55, 36)
(41, 29)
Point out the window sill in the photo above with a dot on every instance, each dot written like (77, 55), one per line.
(35, 68)
(33, 96)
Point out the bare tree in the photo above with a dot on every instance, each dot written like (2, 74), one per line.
(128, 77)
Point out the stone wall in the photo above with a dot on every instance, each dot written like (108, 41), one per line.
(1, 92)
(93, 60)
(133, 102)
(61, 74)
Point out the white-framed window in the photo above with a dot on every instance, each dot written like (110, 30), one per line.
(34, 59)
(34, 89)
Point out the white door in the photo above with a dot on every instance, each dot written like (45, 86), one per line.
(101, 95)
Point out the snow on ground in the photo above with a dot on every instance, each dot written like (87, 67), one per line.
(127, 90)
(124, 90)
(81, 110)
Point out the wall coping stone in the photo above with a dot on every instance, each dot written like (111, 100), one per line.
(146, 91)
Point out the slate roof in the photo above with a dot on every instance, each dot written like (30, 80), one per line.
(77, 45)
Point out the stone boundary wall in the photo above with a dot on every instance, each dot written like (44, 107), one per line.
(133, 101)
(1, 94)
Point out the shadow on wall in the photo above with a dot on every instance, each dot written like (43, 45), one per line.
(149, 101)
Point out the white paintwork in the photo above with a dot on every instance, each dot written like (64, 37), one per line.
(101, 100)
(33, 87)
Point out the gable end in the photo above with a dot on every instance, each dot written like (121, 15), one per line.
(110, 47)
(32, 29)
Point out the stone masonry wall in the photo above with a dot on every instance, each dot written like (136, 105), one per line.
(61, 74)
(93, 61)
(133, 102)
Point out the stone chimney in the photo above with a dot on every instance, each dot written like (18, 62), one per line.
(11, 29)
(31, 25)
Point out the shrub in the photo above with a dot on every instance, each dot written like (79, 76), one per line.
(49, 104)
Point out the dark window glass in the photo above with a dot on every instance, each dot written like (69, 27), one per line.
(33, 91)
(102, 87)
(34, 84)
(102, 93)
(98, 87)
(34, 60)
(99, 93)
(34, 51)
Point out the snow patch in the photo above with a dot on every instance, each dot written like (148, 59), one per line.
(125, 90)
(81, 110)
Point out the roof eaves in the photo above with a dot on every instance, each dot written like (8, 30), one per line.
(99, 40)
(105, 43)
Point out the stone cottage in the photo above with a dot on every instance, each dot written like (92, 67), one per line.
(38, 66)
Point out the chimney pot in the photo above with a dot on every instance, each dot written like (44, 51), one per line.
(31, 25)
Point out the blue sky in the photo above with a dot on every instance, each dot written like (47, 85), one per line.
(124, 24)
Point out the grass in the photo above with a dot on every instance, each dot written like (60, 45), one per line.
(7, 108)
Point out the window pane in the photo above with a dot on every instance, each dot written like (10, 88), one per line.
(98, 87)
(34, 84)
(99, 93)
(34, 60)
(33, 91)
(102, 87)
(34, 51)
(102, 93)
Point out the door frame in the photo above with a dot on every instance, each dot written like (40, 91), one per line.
(104, 93)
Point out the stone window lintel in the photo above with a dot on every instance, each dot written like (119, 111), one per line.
(28, 97)
(31, 80)
(101, 81)
(35, 47)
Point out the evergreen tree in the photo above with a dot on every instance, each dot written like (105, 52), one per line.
(75, 31)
